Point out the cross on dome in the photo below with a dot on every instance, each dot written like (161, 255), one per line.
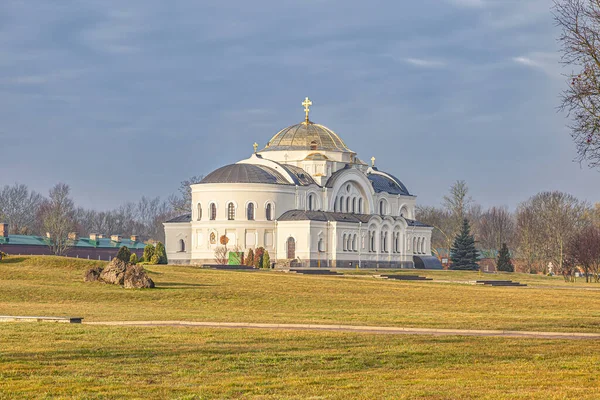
(307, 103)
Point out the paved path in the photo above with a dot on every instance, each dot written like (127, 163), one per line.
(359, 329)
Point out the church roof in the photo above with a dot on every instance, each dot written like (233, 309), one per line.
(181, 218)
(306, 136)
(382, 183)
(304, 215)
(245, 173)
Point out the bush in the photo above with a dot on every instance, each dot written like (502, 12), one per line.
(124, 254)
(162, 253)
(258, 257)
(155, 259)
(148, 253)
(133, 259)
(266, 262)
(250, 258)
(2, 255)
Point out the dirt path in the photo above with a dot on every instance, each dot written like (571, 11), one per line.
(358, 329)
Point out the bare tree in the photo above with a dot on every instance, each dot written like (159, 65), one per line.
(19, 207)
(496, 227)
(548, 221)
(439, 218)
(529, 237)
(58, 218)
(580, 40)
(584, 249)
(182, 202)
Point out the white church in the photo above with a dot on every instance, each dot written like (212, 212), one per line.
(310, 202)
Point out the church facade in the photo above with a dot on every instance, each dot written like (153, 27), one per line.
(309, 201)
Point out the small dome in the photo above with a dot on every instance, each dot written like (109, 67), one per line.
(389, 184)
(245, 173)
(306, 136)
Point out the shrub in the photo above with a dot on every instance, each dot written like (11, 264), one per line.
(258, 257)
(133, 259)
(124, 254)
(221, 255)
(162, 253)
(155, 259)
(250, 258)
(2, 255)
(266, 262)
(148, 253)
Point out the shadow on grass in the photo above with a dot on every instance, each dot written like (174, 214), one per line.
(12, 260)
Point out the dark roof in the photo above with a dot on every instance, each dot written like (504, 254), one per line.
(245, 173)
(382, 183)
(412, 222)
(29, 240)
(301, 215)
(300, 176)
(181, 218)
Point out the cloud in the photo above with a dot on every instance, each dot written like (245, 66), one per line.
(468, 3)
(419, 62)
(547, 63)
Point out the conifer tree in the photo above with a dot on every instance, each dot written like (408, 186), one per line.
(258, 257)
(266, 262)
(504, 262)
(250, 258)
(133, 259)
(124, 254)
(148, 253)
(161, 252)
(464, 255)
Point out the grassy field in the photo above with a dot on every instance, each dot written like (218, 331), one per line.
(50, 286)
(79, 361)
(53, 361)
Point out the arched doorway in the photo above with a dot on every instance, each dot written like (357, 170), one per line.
(291, 248)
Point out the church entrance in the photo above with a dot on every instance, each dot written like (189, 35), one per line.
(291, 248)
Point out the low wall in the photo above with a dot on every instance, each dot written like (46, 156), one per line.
(91, 253)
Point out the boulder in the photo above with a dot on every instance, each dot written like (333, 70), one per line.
(137, 278)
(114, 272)
(93, 274)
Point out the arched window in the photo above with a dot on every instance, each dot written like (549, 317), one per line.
(231, 211)
(335, 205)
(347, 204)
(344, 243)
(414, 248)
(360, 205)
(321, 245)
(269, 212)
(310, 202)
(342, 204)
(382, 207)
(355, 243)
(372, 244)
(199, 212)
(354, 205)
(213, 211)
(397, 243)
(404, 212)
(250, 212)
(349, 245)
(181, 246)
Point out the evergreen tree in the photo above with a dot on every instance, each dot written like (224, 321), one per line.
(266, 262)
(504, 262)
(133, 259)
(464, 255)
(162, 253)
(124, 254)
(148, 253)
(250, 258)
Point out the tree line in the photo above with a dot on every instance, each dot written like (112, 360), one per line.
(30, 213)
(548, 229)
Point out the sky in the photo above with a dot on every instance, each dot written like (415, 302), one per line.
(121, 99)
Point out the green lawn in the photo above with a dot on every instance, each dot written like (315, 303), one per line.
(79, 361)
(70, 361)
(50, 286)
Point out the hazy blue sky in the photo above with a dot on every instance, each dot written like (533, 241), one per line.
(121, 99)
